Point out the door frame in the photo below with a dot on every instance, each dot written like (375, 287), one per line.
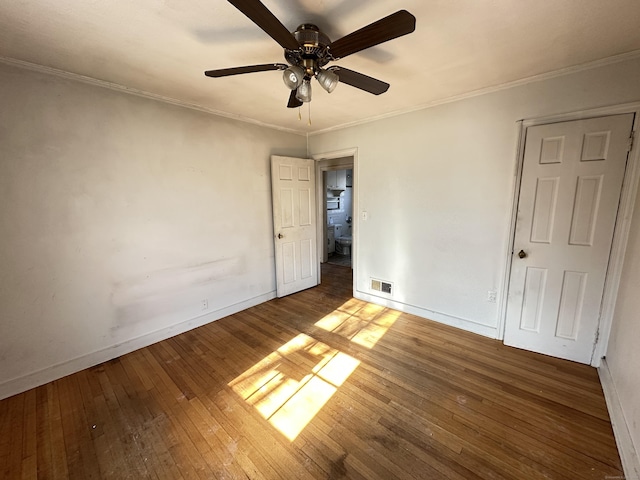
(621, 229)
(321, 194)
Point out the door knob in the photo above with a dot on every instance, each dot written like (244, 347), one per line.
(280, 235)
(522, 254)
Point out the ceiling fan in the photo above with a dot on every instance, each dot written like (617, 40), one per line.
(308, 50)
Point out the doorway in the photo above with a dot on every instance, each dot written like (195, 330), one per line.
(570, 190)
(339, 212)
(327, 167)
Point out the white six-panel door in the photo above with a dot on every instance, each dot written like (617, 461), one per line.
(571, 182)
(294, 224)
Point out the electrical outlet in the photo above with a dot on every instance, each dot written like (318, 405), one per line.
(205, 304)
(492, 296)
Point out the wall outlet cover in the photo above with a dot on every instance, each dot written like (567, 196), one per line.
(492, 296)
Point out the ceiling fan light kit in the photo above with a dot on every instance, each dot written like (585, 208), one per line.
(304, 91)
(293, 77)
(327, 80)
(308, 50)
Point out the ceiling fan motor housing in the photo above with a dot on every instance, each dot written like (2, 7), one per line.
(313, 52)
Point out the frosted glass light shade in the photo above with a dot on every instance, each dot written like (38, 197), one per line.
(304, 91)
(327, 80)
(293, 77)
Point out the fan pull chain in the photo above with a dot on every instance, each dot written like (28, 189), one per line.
(309, 103)
(300, 113)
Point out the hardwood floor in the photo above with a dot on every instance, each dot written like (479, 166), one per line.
(337, 259)
(316, 385)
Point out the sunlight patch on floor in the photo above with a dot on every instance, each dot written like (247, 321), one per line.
(365, 326)
(292, 384)
(288, 400)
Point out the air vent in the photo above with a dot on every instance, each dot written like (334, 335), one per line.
(381, 286)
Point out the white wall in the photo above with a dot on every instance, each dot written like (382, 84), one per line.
(118, 216)
(438, 183)
(623, 354)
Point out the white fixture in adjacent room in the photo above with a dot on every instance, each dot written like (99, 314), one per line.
(342, 239)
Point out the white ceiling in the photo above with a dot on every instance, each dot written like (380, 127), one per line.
(163, 46)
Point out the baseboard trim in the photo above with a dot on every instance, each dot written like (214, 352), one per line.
(628, 454)
(464, 324)
(54, 372)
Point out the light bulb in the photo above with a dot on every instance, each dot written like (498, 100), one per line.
(293, 77)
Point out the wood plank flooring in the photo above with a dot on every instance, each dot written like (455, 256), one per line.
(337, 259)
(317, 385)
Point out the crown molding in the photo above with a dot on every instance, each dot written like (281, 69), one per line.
(635, 54)
(139, 93)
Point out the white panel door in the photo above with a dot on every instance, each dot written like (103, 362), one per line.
(571, 182)
(294, 223)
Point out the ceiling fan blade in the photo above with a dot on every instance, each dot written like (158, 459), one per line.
(361, 81)
(293, 101)
(394, 26)
(225, 72)
(261, 16)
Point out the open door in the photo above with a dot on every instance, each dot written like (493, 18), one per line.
(294, 224)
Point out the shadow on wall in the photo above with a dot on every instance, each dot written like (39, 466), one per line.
(162, 293)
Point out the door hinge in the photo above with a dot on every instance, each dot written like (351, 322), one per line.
(595, 343)
(631, 136)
